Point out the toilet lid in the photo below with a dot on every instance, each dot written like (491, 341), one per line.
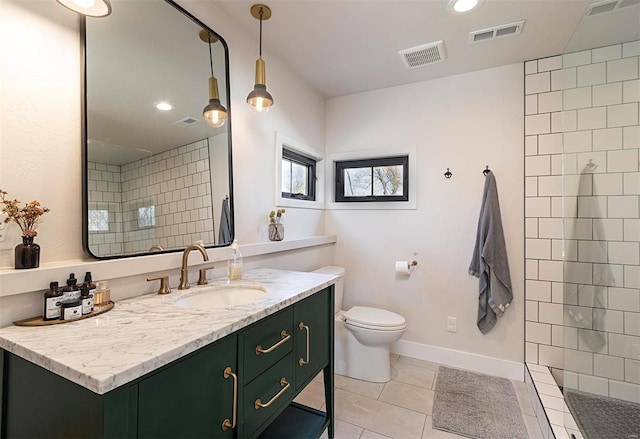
(373, 317)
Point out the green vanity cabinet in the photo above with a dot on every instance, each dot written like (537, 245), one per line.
(313, 322)
(37, 403)
(312, 346)
(241, 386)
(193, 398)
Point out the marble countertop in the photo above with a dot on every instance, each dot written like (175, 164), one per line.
(144, 333)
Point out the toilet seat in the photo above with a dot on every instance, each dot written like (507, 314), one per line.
(376, 328)
(374, 318)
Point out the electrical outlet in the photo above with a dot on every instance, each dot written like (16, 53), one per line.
(452, 324)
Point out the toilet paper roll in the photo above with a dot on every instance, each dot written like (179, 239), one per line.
(402, 267)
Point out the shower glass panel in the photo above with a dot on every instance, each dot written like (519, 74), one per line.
(600, 246)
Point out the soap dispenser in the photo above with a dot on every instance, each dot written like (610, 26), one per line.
(234, 264)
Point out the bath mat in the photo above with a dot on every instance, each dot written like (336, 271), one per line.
(602, 416)
(477, 406)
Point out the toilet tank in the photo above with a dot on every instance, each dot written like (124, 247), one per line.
(339, 287)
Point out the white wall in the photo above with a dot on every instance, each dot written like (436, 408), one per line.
(40, 120)
(40, 141)
(464, 123)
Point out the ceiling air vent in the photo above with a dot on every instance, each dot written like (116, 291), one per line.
(491, 33)
(602, 7)
(423, 55)
(187, 121)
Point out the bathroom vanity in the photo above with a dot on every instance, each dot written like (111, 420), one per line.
(151, 369)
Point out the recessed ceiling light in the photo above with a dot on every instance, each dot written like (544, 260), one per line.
(458, 7)
(164, 106)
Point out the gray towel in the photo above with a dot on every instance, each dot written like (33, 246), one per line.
(576, 315)
(489, 262)
(224, 233)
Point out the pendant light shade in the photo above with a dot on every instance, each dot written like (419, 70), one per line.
(260, 99)
(90, 8)
(214, 113)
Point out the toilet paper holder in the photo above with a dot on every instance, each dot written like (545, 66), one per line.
(405, 268)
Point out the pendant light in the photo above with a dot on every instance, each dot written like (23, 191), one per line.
(215, 114)
(90, 8)
(260, 99)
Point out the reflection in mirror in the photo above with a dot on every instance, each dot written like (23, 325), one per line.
(157, 175)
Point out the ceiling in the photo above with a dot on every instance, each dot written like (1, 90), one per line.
(349, 46)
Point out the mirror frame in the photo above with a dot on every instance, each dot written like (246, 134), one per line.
(85, 150)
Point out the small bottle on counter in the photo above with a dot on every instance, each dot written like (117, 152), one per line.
(102, 294)
(234, 264)
(71, 290)
(86, 299)
(70, 309)
(52, 301)
(89, 282)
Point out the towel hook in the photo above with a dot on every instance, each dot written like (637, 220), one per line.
(448, 174)
(486, 171)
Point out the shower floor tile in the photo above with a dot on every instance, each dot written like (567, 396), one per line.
(602, 416)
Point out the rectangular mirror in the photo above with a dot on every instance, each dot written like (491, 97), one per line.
(156, 179)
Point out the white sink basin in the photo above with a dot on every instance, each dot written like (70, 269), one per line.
(221, 296)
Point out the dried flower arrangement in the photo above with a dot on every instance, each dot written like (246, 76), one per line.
(275, 216)
(27, 217)
(276, 228)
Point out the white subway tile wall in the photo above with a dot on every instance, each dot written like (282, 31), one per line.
(582, 187)
(176, 183)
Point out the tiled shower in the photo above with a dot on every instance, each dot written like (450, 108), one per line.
(582, 219)
(161, 200)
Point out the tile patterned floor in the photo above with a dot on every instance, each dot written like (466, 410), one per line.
(398, 409)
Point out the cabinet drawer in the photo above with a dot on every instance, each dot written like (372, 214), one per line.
(267, 394)
(266, 343)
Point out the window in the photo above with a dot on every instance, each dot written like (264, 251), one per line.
(377, 179)
(146, 216)
(298, 176)
(98, 220)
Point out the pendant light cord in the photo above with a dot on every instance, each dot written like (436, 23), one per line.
(260, 32)
(210, 56)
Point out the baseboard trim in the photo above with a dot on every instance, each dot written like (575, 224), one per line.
(463, 360)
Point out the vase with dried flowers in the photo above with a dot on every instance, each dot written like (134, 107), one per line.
(276, 228)
(27, 254)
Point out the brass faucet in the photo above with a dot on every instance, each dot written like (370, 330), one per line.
(184, 275)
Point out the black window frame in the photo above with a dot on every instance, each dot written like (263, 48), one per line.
(341, 165)
(310, 164)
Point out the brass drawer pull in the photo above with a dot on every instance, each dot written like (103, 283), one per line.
(284, 337)
(227, 424)
(285, 385)
(302, 326)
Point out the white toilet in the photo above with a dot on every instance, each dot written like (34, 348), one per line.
(363, 335)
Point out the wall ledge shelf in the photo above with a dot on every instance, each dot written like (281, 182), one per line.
(13, 282)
